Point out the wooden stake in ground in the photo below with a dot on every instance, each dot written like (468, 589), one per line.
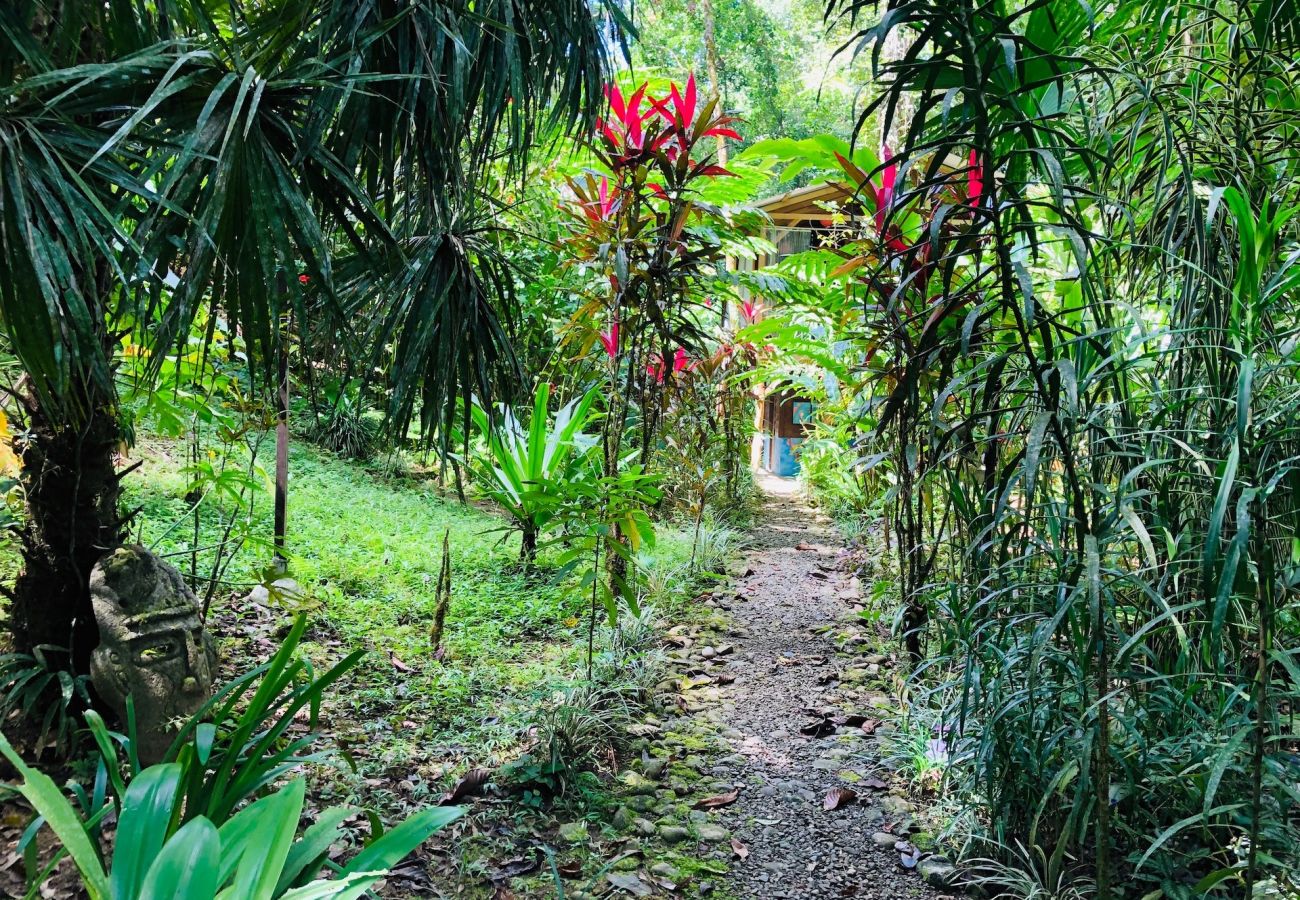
(443, 594)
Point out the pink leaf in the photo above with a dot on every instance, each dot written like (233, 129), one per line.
(690, 100)
(723, 132)
(679, 108)
(610, 340)
(616, 104)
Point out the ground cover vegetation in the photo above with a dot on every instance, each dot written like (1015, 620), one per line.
(425, 340)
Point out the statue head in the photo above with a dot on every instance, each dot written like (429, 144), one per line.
(153, 647)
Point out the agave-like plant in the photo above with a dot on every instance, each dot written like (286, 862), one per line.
(527, 470)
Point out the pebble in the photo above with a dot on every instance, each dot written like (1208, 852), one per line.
(574, 832)
(713, 834)
(673, 834)
(937, 871)
(654, 768)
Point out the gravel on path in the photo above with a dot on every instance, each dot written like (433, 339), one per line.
(785, 660)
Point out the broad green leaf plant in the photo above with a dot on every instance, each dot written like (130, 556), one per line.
(528, 470)
(256, 854)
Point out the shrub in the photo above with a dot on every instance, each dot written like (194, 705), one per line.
(43, 692)
(345, 428)
(237, 744)
(528, 470)
(250, 856)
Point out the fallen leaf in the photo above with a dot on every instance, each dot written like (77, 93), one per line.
(471, 785)
(805, 546)
(869, 727)
(570, 869)
(398, 664)
(719, 801)
(513, 868)
(852, 720)
(819, 575)
(818, 729)
(871, 781)
(723, 678)
(631, 883)
(908, 854)
(738, 848)
(837, 797)
(503, 892)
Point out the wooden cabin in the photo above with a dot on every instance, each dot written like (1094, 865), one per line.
(799, 219)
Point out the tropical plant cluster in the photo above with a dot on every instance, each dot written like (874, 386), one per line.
(1064, 313)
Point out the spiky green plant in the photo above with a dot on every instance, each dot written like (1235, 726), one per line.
(529, 470)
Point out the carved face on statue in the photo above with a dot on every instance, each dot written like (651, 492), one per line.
(153, 648)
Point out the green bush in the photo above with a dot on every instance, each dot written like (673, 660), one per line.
(528, 471)
(238, 743)
(253, 855)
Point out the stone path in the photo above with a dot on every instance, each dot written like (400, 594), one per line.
(788, 658)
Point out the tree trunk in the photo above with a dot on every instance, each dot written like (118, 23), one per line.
(713, 62)
(71, 490)
(528, 545)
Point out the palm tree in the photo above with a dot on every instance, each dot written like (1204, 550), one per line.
(159, 158)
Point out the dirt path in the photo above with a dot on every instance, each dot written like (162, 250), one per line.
(792, 619)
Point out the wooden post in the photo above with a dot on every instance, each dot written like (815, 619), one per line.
(281, 562)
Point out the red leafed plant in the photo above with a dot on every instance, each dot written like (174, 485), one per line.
(637, 227)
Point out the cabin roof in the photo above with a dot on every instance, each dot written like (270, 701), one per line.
(806, 203)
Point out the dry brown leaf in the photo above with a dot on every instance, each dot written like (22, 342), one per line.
(818, 729)
(631, 883)
(738, 848)
(871, 781)
(471, 785)
(398, 664)
(869, 727)
(719, 801)
(837, 797)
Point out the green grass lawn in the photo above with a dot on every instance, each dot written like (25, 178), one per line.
(367, 548)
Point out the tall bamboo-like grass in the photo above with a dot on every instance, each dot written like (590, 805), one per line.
(1087, 355)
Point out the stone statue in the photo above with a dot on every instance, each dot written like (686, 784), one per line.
(153, 647)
